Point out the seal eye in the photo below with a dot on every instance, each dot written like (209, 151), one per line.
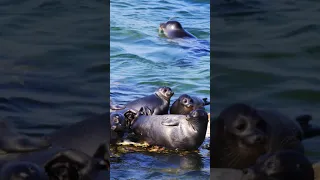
(185, 101)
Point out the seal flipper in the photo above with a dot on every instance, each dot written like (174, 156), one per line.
(206, 102)
(145, 110)
(170, 122)
(11, 141)
(309, 130)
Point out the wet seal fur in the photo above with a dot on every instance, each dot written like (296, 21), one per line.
(241, 134)
(157, 103)
(183, 132)
(281, 165)
(185, 104)
(173, 29)
(12, 142)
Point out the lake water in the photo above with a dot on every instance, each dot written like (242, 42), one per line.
(141, 61)
(53, 63)
(267, 53)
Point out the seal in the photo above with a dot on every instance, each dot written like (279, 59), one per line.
(185, 104)
(62, 163)
(119, 126)
(11, 141)
(281, 165)
(21, 170)
(184, 132)
(90, 136)
(173, 29)
(241, 134)
(157, 103)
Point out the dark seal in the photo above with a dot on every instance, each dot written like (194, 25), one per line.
(157, 103)
(173, 29)
(185, 104)
(22, 170)
(90, 136)
(184, 132)
(13, 142)
(241, 134)
(281, 165)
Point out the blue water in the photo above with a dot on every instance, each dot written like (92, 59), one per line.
(53, 63)
(267, 54)
(141, 61)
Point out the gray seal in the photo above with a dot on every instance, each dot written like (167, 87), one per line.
(173, 29)
(22, 170)
(11, 141)
(185, 104)
(241, 134)
(184, 132)
(158, 103)
(281, 165)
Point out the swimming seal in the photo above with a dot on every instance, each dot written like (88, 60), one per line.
(157, 103)
(241, 134)
(281, 165)
(173, 29)
(90, 136)
(184, 132)
(11, 141)
(185, 104)
(22, 170)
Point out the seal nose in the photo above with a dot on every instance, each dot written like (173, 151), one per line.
(255, 138)
(170, 93)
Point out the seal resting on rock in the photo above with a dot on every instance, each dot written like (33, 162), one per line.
(183, 132)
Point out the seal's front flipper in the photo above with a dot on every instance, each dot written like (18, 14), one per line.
(145, 110)
(309, 130)
(170, 122)
(206, 102)
(131, 115)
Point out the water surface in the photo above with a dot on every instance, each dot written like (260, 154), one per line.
(53, 63)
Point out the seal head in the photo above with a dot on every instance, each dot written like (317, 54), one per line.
(281, 165)
(173, 29)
